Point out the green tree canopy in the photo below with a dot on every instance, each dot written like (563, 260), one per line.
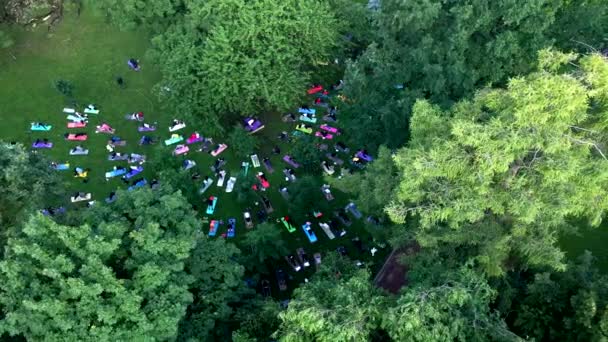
(444, 51)
(257, 321)
(217, 288)
(263, 243)
(516, 163)
(569, 306)
(120, 277)
(375, 187)
(130, 14)
(243, 143)
(305, 151)
(27, 182)
(306, 196)
(242, 56)
(455, 309)
(331, 308)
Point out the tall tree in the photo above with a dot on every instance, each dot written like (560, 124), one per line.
(455, 309)
(373, 189)
(27, 182)
(130, 14)
(581, 25)
(119, 277)
(516, 163)
(375, 186)
(257, 320)
(305, 151)
(306, 196)
(442, 51)
(243, 56)
(570, 305)
(217, 288)
(330, 308)
(261, 244)
(243, 143)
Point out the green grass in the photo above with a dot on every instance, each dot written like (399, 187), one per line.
(91, 54)
(591, 239)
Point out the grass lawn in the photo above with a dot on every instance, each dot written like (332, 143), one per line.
(91, 54)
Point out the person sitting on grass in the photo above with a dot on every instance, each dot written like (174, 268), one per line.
(134, 64)
(78, 148)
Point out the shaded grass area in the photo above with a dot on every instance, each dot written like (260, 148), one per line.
(589, 238)
(91, 54)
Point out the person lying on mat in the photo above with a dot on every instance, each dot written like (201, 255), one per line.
(134, 64)
(138, 116)
(145, 140)
(105, 127)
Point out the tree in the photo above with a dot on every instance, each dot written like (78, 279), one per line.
(170, 171)
(355, 26)
(258, 60)
(243, 143)
(261, 244)
(28, 183)
(257, 320)
(305, 151)
(442, 51)
(217, 288)
(375, 187)
(244, 192)
(242, 56)
(28, 11)
(119, 277)
(580, 25)
(517, 162)
(332, 309)
(306, 196)
(130, 14)
(456, 309)
(570, 305)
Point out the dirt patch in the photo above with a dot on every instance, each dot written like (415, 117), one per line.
(393, 275)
